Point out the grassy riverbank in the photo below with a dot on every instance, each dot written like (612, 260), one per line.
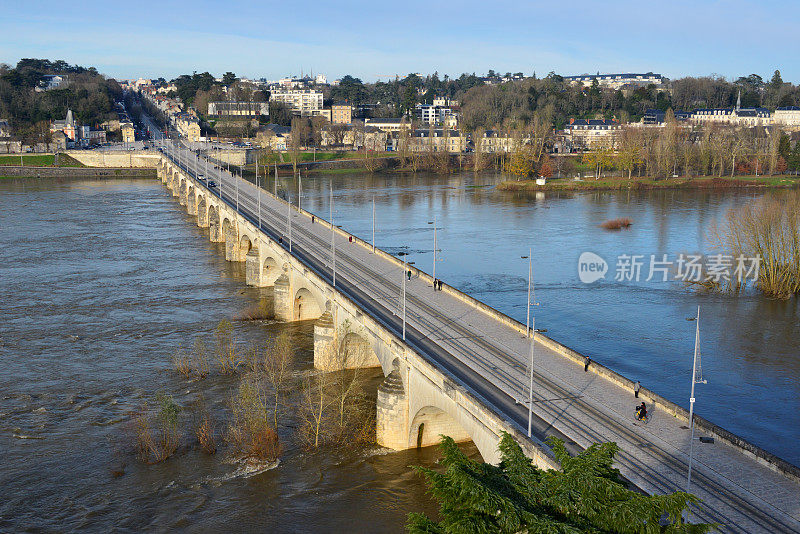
(38, 160)
(620, 183)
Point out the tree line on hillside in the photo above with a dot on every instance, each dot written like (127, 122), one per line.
(513, 104)
(87, 93)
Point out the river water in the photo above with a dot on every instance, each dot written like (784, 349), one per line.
(749, 345)
(102, 280)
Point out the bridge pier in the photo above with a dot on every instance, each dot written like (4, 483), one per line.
(183, 193)
(191, 202)
(391, 419)
(284, 309)
(202, 212)
(345, 347)
(324, 339)
(231, 241)
(174, 184)
(254, 268)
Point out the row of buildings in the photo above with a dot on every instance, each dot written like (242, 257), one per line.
(310, 103)
(592, 134)
(185, 121)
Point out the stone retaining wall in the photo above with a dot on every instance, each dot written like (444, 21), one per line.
(76, 172)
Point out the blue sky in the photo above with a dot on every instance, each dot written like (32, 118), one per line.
(371, 39)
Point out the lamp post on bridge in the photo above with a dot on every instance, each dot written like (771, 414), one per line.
(333, 237)
(530, 331)
(695, 380)
(435, 250)
(406, 274)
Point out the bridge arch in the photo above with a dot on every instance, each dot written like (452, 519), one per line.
(272, 270)
(358, 351)
(431, 422)
(305, 305)
(245, 246)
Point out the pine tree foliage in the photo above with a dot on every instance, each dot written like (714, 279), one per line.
(585, 495)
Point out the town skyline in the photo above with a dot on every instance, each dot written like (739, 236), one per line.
(376, 42)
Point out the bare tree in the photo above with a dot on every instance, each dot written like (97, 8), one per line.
(315, 409)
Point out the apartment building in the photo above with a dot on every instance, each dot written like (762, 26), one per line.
(389, 124)
(238, 109)
(432, 114)
(495, 141)
(438, 140)
(188, 126)
(304, 102)
(592, 134)
(787, 116)
(274, 136)
(341, 113)
(444, 101)
(616, 81)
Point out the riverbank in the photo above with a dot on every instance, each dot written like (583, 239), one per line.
(24, 171)
(38, 160)
(619, 183)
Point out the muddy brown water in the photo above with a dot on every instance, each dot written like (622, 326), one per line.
(100, 281)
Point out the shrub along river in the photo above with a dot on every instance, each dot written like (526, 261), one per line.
(101, 280)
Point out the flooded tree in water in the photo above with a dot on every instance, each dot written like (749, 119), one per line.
(333, 408)
(227, 357)
(157, 435)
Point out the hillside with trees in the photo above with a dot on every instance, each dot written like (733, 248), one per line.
(512, 104)
(89, 94)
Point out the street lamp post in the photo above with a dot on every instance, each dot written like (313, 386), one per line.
(528, 305)
(691, 397)
(373, 224)
(405, 274)
(530, 331)
(434, 249)
(333, 238)
(289, 220)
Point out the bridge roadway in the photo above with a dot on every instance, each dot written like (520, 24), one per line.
(490, 358)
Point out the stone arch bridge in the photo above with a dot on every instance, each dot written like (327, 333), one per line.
(417, 401)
